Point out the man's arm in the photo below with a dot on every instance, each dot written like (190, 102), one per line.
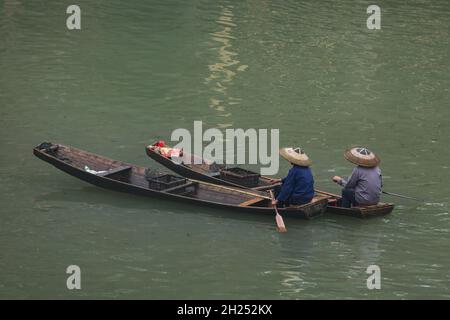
(287, 187)
(351, 182)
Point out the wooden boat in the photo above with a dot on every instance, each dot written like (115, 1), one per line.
(379, 209)
(124, 177)
(208, 172)
(213, 173)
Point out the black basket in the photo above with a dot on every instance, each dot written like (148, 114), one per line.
(165, 181)
(240, 176)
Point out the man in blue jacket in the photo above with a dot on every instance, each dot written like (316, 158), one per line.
(297, 187)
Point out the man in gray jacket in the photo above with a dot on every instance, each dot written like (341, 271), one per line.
(363, 187)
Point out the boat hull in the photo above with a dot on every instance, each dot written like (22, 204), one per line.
(304, 212)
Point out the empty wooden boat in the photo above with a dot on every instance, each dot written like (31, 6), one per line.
(124, 177)
(208, 172)
(240, 178)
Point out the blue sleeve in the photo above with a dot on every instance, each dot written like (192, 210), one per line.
(287, 186)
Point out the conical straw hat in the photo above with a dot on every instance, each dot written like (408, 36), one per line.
(296, 156)
(362, 157)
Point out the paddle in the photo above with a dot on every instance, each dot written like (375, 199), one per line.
(400, 196)
(385, 192)
(278, 217)
(235, 189)
(327, 193)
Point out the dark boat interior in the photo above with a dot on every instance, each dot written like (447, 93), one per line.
(153, 180)
(234, 175)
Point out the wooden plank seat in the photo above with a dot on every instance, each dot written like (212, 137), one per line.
(121, 169)
(250, 202)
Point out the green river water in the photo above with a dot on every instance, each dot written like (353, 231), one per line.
(137, 70)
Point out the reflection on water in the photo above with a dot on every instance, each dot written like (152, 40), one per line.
(342, 260)
(224, 70)
(9, 10)
(11, 7)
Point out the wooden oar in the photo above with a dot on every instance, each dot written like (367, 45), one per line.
(232, 189)
(400, 196)
(385, 192)
(278, 217)
(327, 193)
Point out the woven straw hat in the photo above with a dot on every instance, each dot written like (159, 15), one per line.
(296, 156)
(362, 157)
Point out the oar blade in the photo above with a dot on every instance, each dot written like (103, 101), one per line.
(278, 218)
(280, 223)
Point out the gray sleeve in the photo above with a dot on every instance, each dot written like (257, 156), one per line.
(351, 182)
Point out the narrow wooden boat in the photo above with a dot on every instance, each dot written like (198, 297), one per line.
(124, 177)
(208, 172)
(213, 173)
(377, 210)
